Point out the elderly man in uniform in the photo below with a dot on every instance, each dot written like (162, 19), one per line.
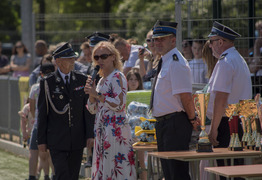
(229, 83)
(65, 126)
(172, 106)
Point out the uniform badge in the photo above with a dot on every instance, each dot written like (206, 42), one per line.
(175, 58)
(61, 97)
(223, 56)
(73, 77)
(58, 79)
(57, 90)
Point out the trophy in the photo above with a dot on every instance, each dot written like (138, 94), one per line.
(248, 109)
(258, 122)
(232, 112)
(244, 115)
(201, 102)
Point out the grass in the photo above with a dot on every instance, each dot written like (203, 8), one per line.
(13, 167)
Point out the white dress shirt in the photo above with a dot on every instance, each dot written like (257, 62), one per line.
(231, 75)
(173, 79)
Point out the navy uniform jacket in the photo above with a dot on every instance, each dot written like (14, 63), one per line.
(57, 130)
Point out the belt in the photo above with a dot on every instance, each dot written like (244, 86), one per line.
(168, 116)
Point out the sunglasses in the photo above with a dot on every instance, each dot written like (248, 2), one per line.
(102, 56)
(213, 40)
(149, 40)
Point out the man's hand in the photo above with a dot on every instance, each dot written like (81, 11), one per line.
(213, 137)
(42, 148)
(90, 143)
(196, 123)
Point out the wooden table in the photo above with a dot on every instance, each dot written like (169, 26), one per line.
(219, 153)
(245, 171)
(143, 148)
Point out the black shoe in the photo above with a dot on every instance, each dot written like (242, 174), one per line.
(46, 177)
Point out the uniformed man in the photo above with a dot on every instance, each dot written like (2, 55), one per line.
(171, 101)
(65, 126)
(229, 83)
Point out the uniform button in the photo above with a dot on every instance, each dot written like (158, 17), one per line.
(71, 116)
(71, 108)
(70, 100)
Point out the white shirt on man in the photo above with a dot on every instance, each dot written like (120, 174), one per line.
(231, 75)
(198, 71)
(173, 79)
(133, 56)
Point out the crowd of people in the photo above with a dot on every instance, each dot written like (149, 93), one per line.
(79, 101)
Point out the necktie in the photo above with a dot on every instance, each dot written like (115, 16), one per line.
(159, 66)
(67, 82)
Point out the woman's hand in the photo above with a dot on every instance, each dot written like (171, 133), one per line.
(90, 87)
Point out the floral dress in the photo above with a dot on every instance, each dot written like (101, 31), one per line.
(113, 155)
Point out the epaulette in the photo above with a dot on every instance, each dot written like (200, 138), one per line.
(78, 72)
(223, 56)
(175, 58)
(49, 75)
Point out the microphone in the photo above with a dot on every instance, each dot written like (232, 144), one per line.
(95, 73)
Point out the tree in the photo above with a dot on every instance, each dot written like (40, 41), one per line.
(10, 22)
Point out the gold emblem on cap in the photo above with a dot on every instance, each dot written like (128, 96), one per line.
(61, 96)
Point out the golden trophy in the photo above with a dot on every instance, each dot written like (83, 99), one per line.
(232, 112)
(258, 122)
(249, 111)
(244, 116)
(201, 102)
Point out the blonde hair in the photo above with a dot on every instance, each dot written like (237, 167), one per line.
(209, 59)
(109, 46)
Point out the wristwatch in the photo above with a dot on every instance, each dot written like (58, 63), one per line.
(98, 95)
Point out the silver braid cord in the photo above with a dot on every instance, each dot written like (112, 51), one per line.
(67, 106)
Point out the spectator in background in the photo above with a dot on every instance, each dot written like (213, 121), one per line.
(128, 52)
(132, 41)
(187, 49)
(34, 76)
(4, 62)
(40, 50)
(153, 58)
(85, 57)
(20, 60)
(197, 65)
(26, 122)
(45, 69)
(134, 80)
(210, 61)
(256, 64)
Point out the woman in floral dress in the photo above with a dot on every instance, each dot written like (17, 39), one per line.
(113, 155)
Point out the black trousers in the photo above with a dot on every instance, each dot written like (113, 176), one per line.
(223, 138)
(173, 134)
(67, 164)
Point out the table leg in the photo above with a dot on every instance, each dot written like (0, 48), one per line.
(212, 176)
(149, 167)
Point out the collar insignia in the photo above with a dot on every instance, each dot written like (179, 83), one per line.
(223, 56)
(175, 58)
